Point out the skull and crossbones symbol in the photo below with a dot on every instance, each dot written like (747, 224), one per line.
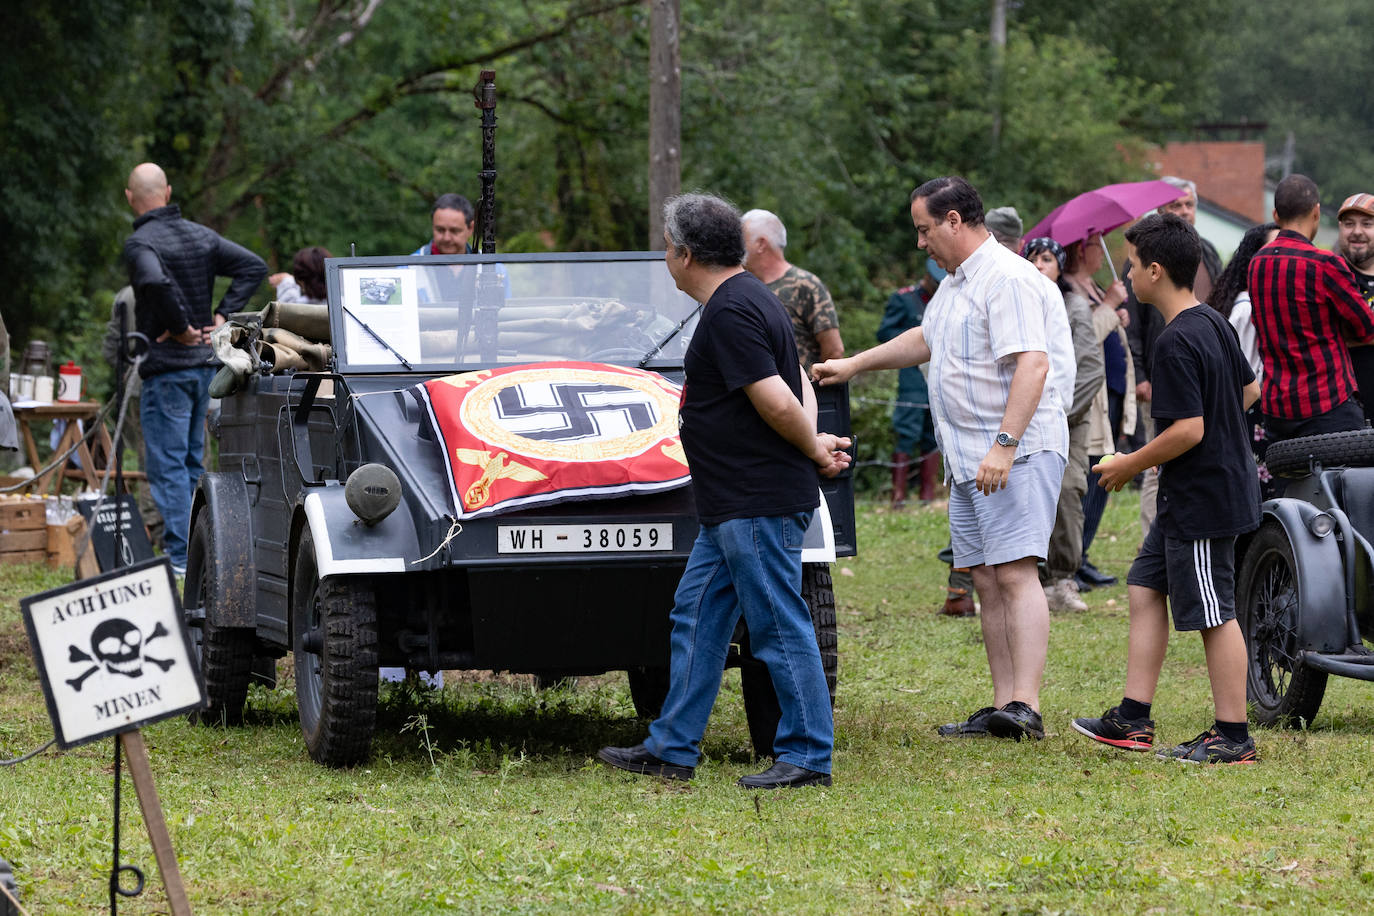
(118, 646)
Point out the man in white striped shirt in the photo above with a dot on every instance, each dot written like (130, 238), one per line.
(1001, 375)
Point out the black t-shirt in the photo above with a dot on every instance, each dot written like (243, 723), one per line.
(741, 467)
(1211, 490)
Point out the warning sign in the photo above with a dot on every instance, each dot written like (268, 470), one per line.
(113, 652)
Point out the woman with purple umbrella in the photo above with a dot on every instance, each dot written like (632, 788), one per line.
(1083, 260)
(1066, 540)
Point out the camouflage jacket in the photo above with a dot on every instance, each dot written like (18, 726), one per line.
(809, 306)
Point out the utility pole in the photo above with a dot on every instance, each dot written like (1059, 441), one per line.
(997, 32)
(665, 112)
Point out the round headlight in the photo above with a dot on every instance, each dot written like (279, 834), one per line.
(1321, 524)
(373, 492)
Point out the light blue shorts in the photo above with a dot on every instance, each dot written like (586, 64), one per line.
(1014, 522)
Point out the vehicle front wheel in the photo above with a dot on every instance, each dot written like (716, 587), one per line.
(1282, 690)
(225, 654)
(334, 641)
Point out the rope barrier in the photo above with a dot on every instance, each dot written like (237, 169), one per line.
(15, 761)
(924, 405)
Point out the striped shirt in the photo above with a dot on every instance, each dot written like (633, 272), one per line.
(1305, 305)
(992, 307)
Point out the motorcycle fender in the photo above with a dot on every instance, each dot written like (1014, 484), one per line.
(1320, 576)
(225, 497)
(345, 546)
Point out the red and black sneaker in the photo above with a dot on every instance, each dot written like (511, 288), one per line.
(1211, 747)
(1118, 731)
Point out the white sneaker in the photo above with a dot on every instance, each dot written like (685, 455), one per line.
(1062, 596)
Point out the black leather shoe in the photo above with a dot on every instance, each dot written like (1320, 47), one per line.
(975, 726)
(784, 776)
(1016, 720)
(637, 759)
(1083, 584)
(1094, 576)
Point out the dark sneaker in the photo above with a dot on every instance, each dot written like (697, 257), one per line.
(975, 726)
(1118, 731)
(1016, 720)
(1210, 747)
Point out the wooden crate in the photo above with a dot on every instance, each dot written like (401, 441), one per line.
(61, 548)
(23, 530)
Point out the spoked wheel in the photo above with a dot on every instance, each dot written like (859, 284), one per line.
(225, 654)
(334, 625)
(1282, 690)
(761, 707)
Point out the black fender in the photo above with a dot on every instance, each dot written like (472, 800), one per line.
(225, 497)
(1319, 572)
(344, 545)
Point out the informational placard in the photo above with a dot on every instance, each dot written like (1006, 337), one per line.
(387, 300)
(116, 518)
(113, 652)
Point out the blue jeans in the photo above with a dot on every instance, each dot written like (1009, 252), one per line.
(751, 565)
(172, 407)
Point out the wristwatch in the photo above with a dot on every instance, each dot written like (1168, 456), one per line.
(1005, 438)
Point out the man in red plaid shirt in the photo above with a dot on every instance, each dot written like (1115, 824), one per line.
(1306, 306)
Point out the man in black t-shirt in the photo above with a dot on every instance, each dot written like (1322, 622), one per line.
(1356, 245)
(1208, 494)
(749, 429)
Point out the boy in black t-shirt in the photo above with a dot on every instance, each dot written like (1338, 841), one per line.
(1208, 494)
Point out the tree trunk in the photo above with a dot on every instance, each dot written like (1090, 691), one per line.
(665, 112)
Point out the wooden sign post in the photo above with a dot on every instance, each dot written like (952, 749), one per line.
(112, 654)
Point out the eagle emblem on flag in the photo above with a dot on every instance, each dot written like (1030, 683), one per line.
(542, 433)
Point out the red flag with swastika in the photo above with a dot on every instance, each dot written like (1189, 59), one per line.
(541, 433)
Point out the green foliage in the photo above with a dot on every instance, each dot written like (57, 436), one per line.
(63, 119)
(1170, 44)
(1311, 81)
(285, 123)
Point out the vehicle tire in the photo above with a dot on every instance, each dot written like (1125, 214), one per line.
(761, 707)
(225, 654)
(334, 641)
(648, 690)
(1282, 690)
(818, 591)
(1292, 457)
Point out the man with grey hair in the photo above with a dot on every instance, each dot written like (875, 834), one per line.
(1006, 227)
(815, 324)
(748, 422)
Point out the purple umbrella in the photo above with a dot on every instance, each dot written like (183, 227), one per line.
(1103, 210)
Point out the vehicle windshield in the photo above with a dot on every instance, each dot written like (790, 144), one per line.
(430, 314)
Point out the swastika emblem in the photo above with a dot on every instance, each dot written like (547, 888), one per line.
(576, 411)
(572, 415)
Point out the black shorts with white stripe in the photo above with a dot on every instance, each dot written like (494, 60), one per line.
(1198, 576)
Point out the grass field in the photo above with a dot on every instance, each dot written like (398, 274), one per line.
(485, 797)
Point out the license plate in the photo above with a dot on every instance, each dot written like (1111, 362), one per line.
(584, 538)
